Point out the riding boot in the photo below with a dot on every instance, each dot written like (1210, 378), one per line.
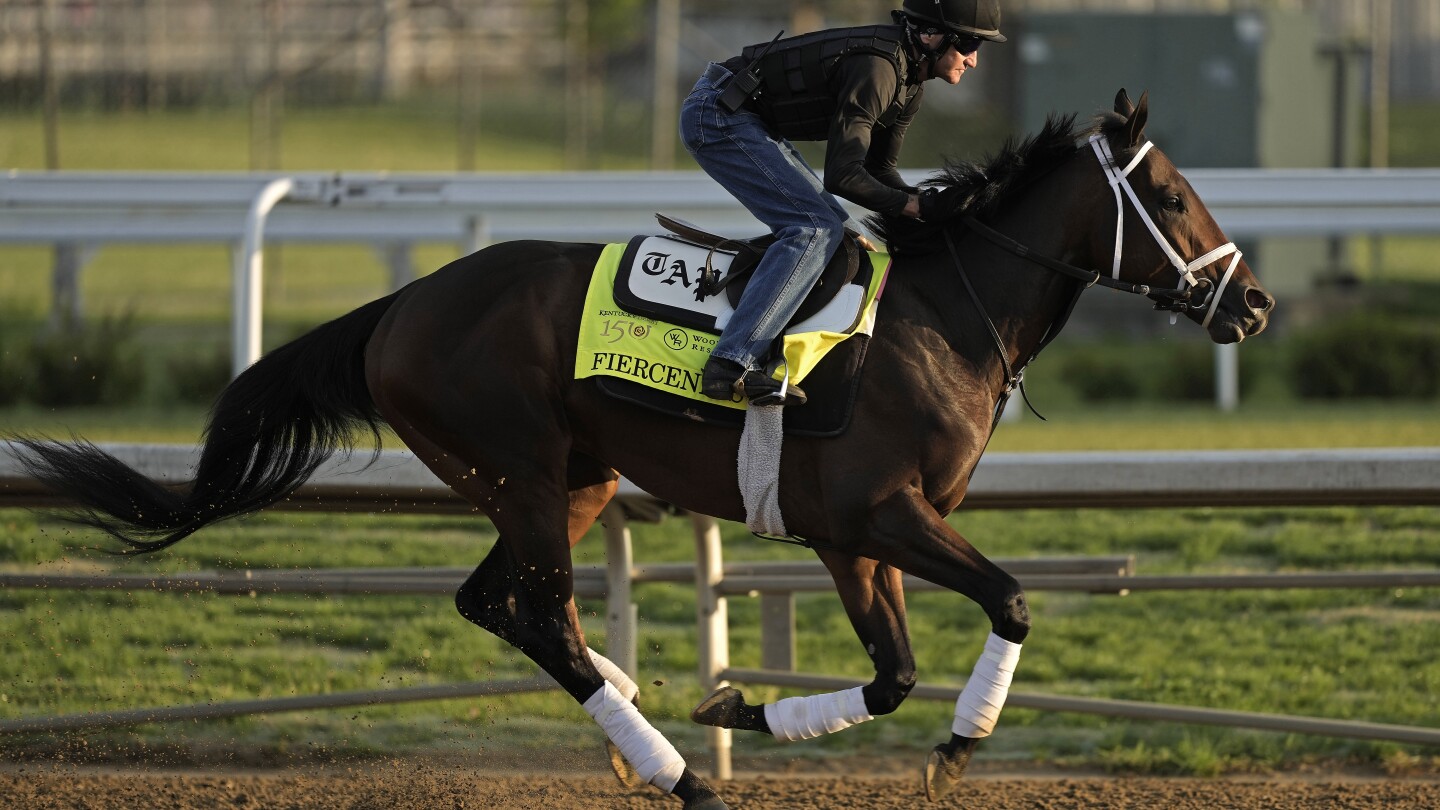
(718, 378)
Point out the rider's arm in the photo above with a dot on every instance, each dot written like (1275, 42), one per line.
(866, 86)
(883, 159)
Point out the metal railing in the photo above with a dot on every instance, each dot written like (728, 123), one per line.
(78, 211)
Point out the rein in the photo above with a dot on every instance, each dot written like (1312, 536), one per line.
(1014, 378)
(1089, 278)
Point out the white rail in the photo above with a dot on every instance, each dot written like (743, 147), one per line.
(88, 209)
(395, 479)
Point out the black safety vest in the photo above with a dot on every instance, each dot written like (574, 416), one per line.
(796, 97)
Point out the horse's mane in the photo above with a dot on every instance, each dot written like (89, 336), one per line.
(982, 189)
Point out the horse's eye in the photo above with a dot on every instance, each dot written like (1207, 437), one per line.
(1171, 203)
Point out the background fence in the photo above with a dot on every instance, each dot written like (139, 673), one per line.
(80, 212)
(636, 56)
(398, 482)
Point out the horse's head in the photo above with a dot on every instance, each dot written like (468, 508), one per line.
(1166, 238)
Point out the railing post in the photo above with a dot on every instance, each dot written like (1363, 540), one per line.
(777, 631)
(397, 257)
(1227, 376)
(248, 277)
(712, 628)
(67, 307)
(621, 636)
(477, 234)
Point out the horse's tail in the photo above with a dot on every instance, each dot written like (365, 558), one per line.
(268, 432)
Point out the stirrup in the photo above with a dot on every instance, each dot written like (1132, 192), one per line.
(762, 389)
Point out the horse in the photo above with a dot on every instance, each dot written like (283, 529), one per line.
(472, 365)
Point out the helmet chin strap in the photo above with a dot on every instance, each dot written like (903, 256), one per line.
(1119, 180)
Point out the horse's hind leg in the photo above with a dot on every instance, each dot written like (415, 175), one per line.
(874, 600)
(524, 590)
(487, 597)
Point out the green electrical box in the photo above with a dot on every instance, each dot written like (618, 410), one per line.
(1226, 90)
(1238, 90)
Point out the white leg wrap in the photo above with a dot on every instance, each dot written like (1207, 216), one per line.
(644, 747)
(983, 697)
(614, 674)
(801, 718)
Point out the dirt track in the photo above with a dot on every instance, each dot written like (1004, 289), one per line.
(407, 786)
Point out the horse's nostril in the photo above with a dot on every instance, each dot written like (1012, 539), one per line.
(1257, 300)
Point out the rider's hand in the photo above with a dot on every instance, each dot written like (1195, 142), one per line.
(936, 205)
(912, 207)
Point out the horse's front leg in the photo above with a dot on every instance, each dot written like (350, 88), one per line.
(874, 600)
(911, 535)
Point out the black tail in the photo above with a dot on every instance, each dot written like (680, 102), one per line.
(268, 431)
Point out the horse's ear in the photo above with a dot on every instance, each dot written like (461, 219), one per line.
(1135, 119)
(1122, 103)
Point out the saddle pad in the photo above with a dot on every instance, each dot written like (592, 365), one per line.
(659, 277)
(662, 355)
(832, 386)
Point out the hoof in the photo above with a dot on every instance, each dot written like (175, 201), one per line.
(944, 769)
(623, 770)
(707, 803)
(721, 709)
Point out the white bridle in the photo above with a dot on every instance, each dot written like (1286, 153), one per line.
(1118, 180)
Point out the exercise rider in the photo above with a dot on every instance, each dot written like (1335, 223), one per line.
(858, 89)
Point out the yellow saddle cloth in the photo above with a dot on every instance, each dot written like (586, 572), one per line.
(666, 357)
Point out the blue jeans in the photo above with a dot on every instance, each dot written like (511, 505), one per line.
(780, 189)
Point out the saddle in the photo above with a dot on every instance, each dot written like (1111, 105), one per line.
(841, 269)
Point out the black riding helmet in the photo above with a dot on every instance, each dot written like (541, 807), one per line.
(965, 18)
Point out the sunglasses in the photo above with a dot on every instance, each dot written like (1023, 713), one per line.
(965, 45)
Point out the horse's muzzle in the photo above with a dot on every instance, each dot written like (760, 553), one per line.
(1232, 327)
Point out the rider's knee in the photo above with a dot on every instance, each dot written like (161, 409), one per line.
(825, 233)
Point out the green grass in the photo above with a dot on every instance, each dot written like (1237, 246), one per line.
(404, 137)
(1364, 654)
(420, 134)
(186, 289)
(1109, 426)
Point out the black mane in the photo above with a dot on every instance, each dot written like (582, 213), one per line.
(982, 189)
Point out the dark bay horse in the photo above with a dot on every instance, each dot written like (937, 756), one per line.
(472, 368)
